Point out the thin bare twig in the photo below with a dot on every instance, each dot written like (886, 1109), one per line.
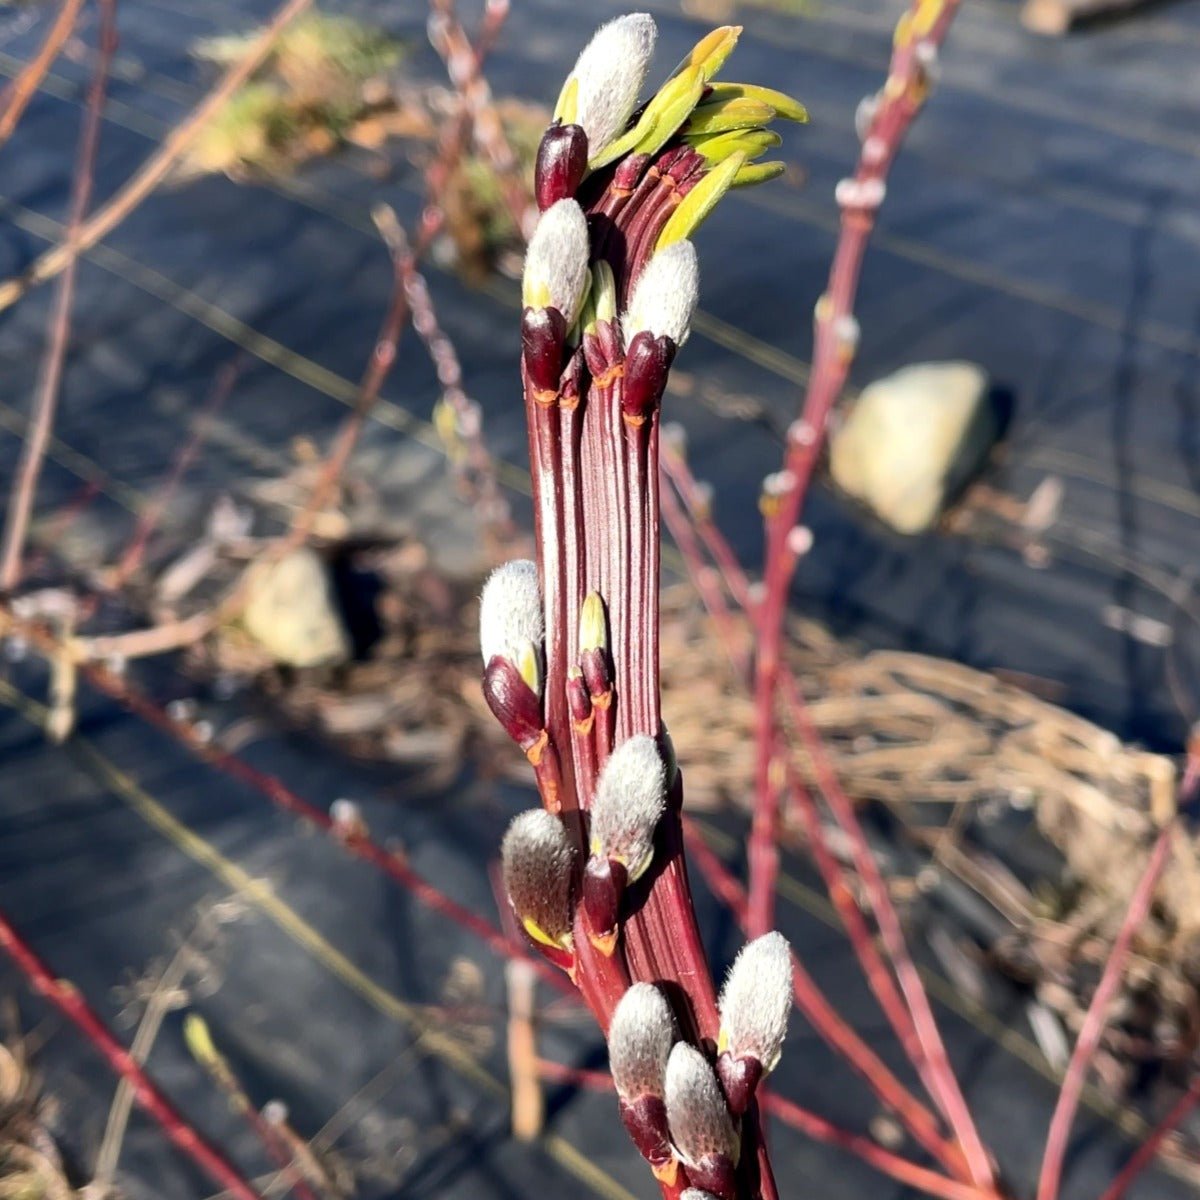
(1144, 1154)
(70, 1002)
(383, 357)
(878, 976)
(826, 1021)
(1097, 1017)
(149, 520)
(404, 264)
(462, 65)
(921, 31)
(45, 404)
(359, 843)
(161, 1001)
(23, 88)
(152, 172)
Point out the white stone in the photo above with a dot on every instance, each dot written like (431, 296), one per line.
(291, 611)
(912, 439)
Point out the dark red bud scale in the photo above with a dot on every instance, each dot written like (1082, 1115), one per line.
(603, 886)
(543, 332)
(561, 164)
(610, 341)
(739, 1078)
(714, 1173)
(645, 1119)
(593, 352)
(629, 172)
(594, 664)
(570, 385)
(647, 365)
(579, 701)
(515, 705)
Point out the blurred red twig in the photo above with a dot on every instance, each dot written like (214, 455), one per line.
(1097, 1016)
(45, 403)
(878, 976)
(1143, 1156)
(473, 463)
(405, 257)
(462, 64)
(70, 1002)
(826, 1021)
(272, 789)
(379, 366)
(154, 512)
(22, 89)
(804, 1121)
(918, 38)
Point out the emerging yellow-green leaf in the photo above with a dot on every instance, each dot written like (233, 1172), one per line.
(714, 148)
(700, 201)
(568, 99)
(725, 115)
(711, 51)
(754, 173)
(786, 108)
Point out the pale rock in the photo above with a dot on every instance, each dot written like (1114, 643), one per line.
(912, 440)
(291, 611)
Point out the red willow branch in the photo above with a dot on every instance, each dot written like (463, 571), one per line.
(695, 496)
(70, 1002)
(878, 976)
(1097, 1016)
(570, 644)
(379, 367)
(22, 89)
(918, 38)
(45, 404)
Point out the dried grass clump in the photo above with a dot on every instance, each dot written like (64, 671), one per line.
(30, 1165)
(331, 82)
(325, 74)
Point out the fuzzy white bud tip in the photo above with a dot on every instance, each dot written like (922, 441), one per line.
(757, 1000)
(556, 263)
(696, 1112)
(536, 857)
(665, 294)
(609, 73)
(696, 1194)
(639, 1042)
(630, 799)
(510, 611)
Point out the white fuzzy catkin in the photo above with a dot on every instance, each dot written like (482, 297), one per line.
(629, 801)
(665, 294)
(696, 1112)
(510, 611)
(757, 1000)
(639, 1042)
(556, 263)
(610, 72)
(536, 858)
(696, 1194)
